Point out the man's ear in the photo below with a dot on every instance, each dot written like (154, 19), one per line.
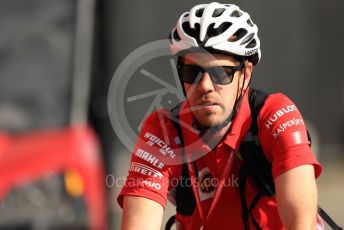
(247, 74)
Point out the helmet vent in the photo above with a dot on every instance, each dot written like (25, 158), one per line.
(212, 32)
(252, 44)
(240, 33)
(249, 22)
(192, 32)
(218, 12)
(176, 35)
(247, 39)
(199, 12)
(186, 15)
(236, 14)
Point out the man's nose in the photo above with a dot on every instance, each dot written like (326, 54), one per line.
(205, 84)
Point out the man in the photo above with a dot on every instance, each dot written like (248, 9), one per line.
(218, 46)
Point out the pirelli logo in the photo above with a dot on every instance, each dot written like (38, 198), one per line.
(145, 170)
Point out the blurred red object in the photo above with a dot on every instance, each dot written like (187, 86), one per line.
(28, 157)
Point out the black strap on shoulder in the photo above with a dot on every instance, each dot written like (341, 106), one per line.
(256, 100)
(254, 162)
(242, 187)
(185, 198)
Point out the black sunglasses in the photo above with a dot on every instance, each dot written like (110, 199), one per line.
(221, 75)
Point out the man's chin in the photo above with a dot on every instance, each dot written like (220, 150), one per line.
(209, 121)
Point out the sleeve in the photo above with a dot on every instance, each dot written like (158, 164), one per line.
(149, 171)
(283, 136)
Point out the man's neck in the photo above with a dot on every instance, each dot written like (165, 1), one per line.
(213, 138)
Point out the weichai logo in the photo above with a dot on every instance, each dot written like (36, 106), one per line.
(164, 148)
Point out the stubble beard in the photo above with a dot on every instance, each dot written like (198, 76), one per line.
(208, 119)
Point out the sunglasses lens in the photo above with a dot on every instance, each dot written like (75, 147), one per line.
(189, 73)
(221, 75)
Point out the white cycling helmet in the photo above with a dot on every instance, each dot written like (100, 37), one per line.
(219, 28)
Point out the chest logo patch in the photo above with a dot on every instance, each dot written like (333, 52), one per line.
(206, 184)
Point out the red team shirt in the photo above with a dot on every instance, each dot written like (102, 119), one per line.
(155, 165)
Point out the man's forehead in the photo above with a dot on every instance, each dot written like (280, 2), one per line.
(204, 58)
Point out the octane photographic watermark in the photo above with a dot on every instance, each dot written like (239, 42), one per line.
(118, 182)
(146, 81)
